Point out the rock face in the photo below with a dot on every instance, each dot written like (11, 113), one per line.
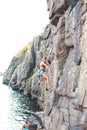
(64, 42)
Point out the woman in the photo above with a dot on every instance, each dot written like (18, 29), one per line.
(43, 65)
(25, 126)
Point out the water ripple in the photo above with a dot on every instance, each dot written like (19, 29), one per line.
(14, 108)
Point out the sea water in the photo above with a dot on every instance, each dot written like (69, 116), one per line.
(14, 108)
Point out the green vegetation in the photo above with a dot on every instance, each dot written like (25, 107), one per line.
(35, 70)
(24, 48)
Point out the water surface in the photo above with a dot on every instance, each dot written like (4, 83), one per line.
(13, 108)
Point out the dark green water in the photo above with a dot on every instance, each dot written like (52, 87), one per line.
(14, 108)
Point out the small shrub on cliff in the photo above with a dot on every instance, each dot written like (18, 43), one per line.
(24, 48)
(34, 70)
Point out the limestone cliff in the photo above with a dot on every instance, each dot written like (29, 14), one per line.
(64, 42)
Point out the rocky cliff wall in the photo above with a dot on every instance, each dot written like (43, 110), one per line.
(64, 42)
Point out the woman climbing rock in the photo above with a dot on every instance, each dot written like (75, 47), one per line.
(43, 65)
